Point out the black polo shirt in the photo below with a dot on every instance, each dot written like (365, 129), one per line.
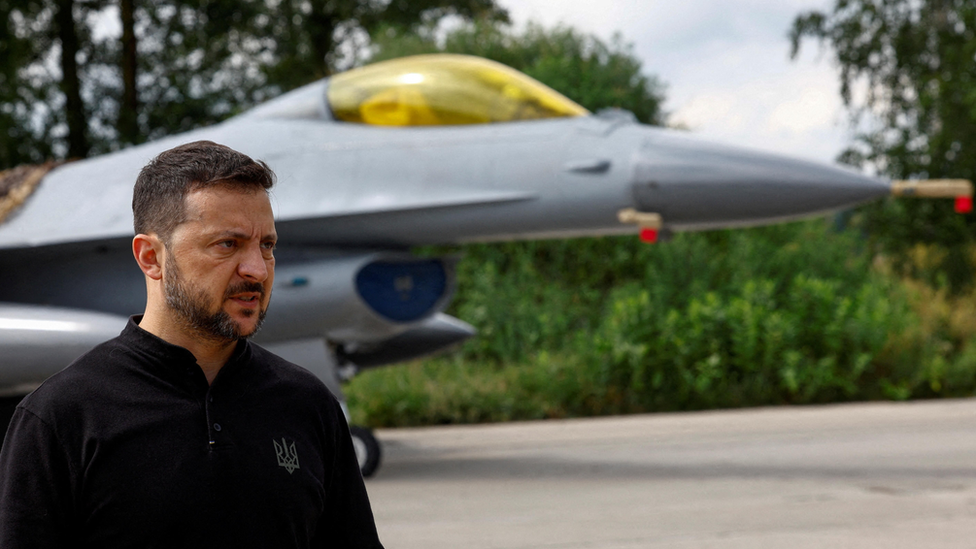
(130, 447)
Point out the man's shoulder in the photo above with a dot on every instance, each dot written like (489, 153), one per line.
(77, 381)
(288, 383)
(288, 373)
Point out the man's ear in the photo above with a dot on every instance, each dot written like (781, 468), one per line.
(148, 251)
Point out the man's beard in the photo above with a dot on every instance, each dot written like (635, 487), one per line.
(191, 307)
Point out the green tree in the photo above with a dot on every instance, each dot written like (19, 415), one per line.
(908, 78)
(582, 67)
(68, 90)
(41, 89)
(308, 33)
(196, 63)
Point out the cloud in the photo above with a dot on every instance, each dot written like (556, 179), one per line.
(726, 65)
(708, 109)
(797, 112)
(814, 108)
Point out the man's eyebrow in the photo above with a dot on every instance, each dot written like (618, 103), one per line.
(230, 234)
(239, 235)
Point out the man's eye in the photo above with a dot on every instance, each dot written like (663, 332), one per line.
(268, 245)
(226, 244)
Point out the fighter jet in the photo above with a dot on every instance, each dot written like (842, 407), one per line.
(439, 149)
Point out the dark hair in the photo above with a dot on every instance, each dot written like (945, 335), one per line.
(158, 198)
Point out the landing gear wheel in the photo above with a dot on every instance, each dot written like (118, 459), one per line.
(367, 449)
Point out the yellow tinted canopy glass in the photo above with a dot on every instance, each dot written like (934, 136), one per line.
(430, 90)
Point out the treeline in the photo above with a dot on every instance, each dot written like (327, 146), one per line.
(83, 77)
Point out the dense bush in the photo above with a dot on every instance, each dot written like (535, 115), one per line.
(790, 314)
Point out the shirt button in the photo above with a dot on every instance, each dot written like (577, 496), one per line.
(216, 427)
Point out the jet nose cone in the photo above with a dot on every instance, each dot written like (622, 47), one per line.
(696, 185)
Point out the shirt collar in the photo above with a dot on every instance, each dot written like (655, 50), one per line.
(172, 359)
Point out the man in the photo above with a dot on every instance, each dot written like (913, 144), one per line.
(180, 432)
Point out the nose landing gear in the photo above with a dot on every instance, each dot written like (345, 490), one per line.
(367, 449)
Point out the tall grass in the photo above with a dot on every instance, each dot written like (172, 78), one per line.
(798, 313)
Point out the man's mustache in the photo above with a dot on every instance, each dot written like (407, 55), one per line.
(244, 287)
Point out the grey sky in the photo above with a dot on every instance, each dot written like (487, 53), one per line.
(726, 64)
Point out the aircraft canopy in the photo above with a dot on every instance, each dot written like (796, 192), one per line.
(443, 89)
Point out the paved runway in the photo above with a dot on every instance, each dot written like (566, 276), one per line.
(867, 475)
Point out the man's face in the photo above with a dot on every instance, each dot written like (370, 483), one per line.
(219, 265)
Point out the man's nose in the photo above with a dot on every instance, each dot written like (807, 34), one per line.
(253, 265)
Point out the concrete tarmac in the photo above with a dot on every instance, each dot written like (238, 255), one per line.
(889, 475)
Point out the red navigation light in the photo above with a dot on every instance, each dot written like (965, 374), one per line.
(964, 204)
(648, 235)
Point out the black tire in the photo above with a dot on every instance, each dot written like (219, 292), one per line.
(367, 449)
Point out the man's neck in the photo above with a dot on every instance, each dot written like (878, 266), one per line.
(211, 355)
